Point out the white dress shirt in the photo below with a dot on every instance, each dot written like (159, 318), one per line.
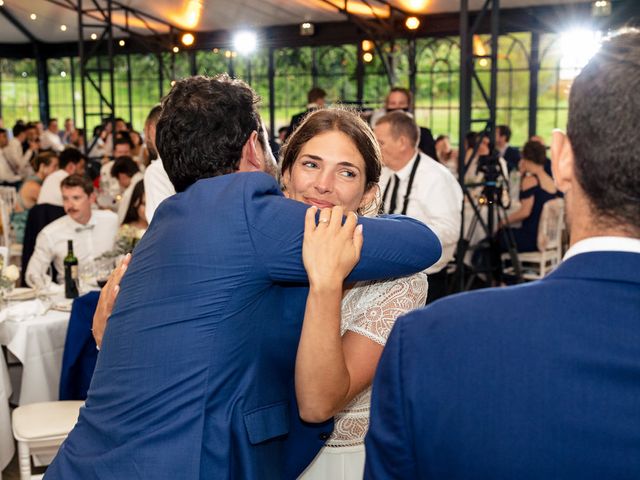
(50, 191)
(89, 241)
(157, 187)
(604, 244)
(6, 172)
(126, 197)
(109, 184)
(435, 199)
(50, 140)
(18, 161)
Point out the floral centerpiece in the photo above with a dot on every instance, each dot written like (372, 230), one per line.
(8, 277)
(128, 238)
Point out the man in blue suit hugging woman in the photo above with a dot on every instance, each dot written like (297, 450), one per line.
(195, 374)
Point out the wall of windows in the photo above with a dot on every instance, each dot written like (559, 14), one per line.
(140, 80)
(18, 91)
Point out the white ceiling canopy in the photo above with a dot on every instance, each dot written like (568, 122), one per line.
(51, 21)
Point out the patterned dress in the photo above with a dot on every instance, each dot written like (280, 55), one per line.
(369, 309)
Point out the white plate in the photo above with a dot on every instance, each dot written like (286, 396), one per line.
(21, 293)
(63, 306)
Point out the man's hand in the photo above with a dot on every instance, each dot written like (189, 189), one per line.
(107, 298)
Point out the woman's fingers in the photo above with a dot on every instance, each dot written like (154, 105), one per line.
(325, 217)
(310, 219)
(358, 240)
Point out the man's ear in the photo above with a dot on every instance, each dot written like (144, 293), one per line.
(250, 160)
(562, 161)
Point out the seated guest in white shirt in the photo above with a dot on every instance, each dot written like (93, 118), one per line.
(157, 185)
(7, 175)
(417, 185)
(50, 140)
(126, 171)
(121, 148)
(93, 231)
(20, 161)
(71, 161)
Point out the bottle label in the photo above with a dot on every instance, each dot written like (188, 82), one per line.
(74, 272)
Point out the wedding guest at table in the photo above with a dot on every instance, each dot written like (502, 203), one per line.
(135, 222)
(7, 175)
(157, 185)
(401, 99)
(122, 147)
(333, 160)
(93, 232)
(536, 189)
(316, 99)
(137, 153)
(127, 173)
(509, 153)
(70, 162)
(19, 159)
(46, 163)
(49, 139)
(536, 381)
(210, 310)
(416, 185)
(65, 135)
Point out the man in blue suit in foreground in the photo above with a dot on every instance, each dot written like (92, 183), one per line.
(195, 375)
(539, 380)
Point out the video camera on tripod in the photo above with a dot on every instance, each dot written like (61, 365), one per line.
(495, 182)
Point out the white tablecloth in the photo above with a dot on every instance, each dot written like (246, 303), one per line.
(7, 446)
(39, 344)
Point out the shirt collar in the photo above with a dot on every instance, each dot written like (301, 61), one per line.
(92, 221)
(606, 244)
(405, 171)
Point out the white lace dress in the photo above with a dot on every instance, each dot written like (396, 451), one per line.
(369, 309)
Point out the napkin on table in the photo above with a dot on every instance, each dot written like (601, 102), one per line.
(21, 311)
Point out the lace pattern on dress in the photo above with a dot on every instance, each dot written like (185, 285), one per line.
(370, 309)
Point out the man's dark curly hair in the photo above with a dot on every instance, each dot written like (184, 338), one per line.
(604, 114)
(204, 124)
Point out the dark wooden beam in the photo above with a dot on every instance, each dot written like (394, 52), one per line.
(542, 19)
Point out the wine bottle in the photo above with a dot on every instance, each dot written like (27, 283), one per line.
(70, 272)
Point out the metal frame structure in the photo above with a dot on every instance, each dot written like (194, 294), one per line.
(468, 79)
(93, 71)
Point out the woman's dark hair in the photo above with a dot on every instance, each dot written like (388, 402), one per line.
(535, 152)
(137, 196)
(339, 119)
(44, 158)
(204, 124)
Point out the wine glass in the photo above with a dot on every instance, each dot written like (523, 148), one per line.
(86, 275)
(104, 267)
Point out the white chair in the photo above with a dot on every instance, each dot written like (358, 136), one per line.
(9, 196)
(7, 205)
(5, 214)
(535, 265)
(40, 429)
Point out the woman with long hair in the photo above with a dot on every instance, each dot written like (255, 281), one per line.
(332, 162)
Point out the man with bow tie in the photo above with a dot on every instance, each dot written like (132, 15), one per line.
(93, 231)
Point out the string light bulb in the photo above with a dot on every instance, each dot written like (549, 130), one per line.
(412, 23)
(187, 39)
(33, 16)
(367, 57)
(94, 36)
(121, 43)
(176, 49)
(63, 28)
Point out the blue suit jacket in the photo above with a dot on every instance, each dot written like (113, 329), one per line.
(540, 381)
(195, 376)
